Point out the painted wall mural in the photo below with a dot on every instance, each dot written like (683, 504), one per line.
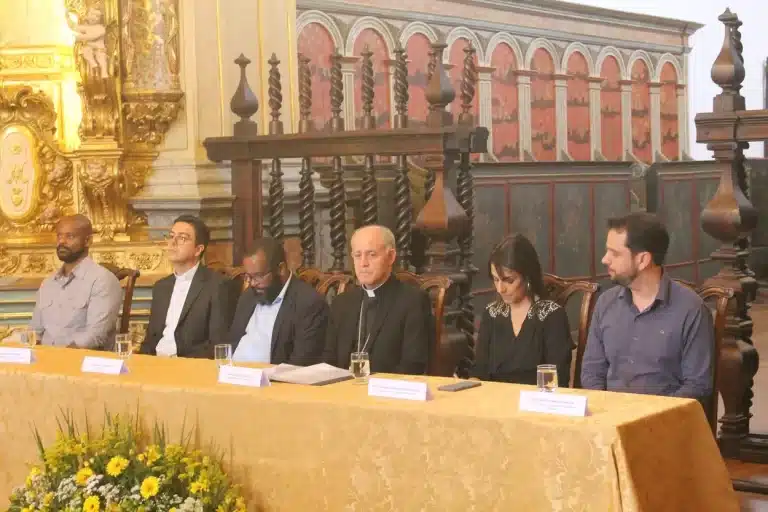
(543, 127)
(381, 101)
(670, 129)
(417, 48)
(316, 43)
(610, 110)
(641, 112)
(578, 108)
(504, 105)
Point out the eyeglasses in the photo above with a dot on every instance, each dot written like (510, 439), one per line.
(177, 239)
(257, 278)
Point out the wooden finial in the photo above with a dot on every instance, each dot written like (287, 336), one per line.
(305, 96)
(367, 84)
(275, 96)
(468, 81)
(401, 87)
(440, 92)
(337, 92)
(244, 103)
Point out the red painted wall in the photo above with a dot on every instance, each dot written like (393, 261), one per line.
(417, 49)
(641, 112)
(610, 110)
(670, 128)
(316, 43)
(543, 127)
(578, 108)
(504, 105)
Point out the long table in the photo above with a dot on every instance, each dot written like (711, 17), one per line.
(335, 448)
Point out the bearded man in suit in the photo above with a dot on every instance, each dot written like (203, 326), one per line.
(390, 320)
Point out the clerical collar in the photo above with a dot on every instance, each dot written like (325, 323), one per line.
(188, 275)
(371, 292)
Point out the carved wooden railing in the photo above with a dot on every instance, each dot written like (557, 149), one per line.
(444, 221)
(730, 217)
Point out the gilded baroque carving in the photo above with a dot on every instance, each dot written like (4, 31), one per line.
(9, 262)
(102, 190)
(38, 264)
(35, 177)
(145, 261)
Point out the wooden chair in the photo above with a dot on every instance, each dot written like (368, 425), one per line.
(437, 287)
(721, 297)
(130, 276)
(327, 284)
(560, 290)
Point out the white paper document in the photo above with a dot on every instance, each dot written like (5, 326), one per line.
(16, 355)
(315, 375)
(103, 365)
(281, 368)
(401, 389)
(553, 403)
(242, 376)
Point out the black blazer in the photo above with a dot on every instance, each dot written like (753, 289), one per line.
(401, 334)
(203, 321)
(543, 339)
(299, 333)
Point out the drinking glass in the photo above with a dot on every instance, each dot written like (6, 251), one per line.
(223, 354)
(28, 337)
(546, 377)
(123, 346)
(360, 366)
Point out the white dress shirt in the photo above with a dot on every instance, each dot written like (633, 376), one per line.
(167, 344)
(256, 344)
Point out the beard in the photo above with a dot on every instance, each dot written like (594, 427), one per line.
(269, 294)
(67, 255)
(625, 279)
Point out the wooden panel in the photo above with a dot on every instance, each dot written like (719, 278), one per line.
(490, 227)
(572, 229)
(611, 200)
(530, 214)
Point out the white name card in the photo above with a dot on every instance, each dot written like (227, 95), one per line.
(16, 355)
(402, 389)
(553, 403)
(103, 365)
(241, 376)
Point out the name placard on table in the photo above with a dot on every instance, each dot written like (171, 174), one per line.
(16, 355)
(401, 389)
(553, 403)
(242, 376)
(103, 365)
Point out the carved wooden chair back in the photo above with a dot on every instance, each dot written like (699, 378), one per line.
(127, 277)
(327, 284)
(722, 297)
(560, 290)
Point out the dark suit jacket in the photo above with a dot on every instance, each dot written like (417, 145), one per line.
(203, 321)
(299, 333)
(401, 334)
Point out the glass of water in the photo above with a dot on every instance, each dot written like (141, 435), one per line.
(123, 346)
(546, 377)
(223, 354)
(360, 366)
(28, 337)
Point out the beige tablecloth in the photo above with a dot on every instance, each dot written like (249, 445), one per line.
(334, 448)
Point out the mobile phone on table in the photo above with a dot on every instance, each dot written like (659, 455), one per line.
(460, 386)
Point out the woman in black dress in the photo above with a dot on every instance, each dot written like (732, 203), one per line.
(520, 329)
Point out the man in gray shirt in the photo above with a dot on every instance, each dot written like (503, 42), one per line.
(649, 334)
(78, 305)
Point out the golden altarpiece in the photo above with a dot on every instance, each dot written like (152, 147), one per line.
(89, 151)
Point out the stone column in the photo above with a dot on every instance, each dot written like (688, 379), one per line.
(626, 116)
(524, 111)
(682, 121)
(484, 97)
(655, 120)
(595, 121)
(561, 115)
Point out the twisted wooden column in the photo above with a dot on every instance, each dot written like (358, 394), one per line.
(276, 189)
(403, 206)
(369, 190)
(306, 187)
(429, 184)
(337, 192)
(729, 217)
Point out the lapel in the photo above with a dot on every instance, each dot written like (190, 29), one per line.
(283, 317)
(384, 302)
(164, 292)
(198, 282)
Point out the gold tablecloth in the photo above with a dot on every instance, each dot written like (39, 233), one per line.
(334, 448)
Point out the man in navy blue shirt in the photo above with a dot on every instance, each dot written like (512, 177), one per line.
(649, 334)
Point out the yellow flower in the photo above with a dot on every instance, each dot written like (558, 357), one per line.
(91, 504)
(82, 476)
(149, 487)
(25, 509)
(116, 466)
(153, 454)
(195, 487)
(48, 499)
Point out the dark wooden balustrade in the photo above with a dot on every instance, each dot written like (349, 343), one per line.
(444, 222)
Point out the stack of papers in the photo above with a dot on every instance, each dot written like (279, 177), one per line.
(315, 375)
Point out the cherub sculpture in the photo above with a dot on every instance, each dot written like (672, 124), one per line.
(90, 32)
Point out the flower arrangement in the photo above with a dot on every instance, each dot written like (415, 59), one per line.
(121, 469)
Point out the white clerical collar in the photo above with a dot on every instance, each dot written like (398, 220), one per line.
(371, 292)
(188, 275)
